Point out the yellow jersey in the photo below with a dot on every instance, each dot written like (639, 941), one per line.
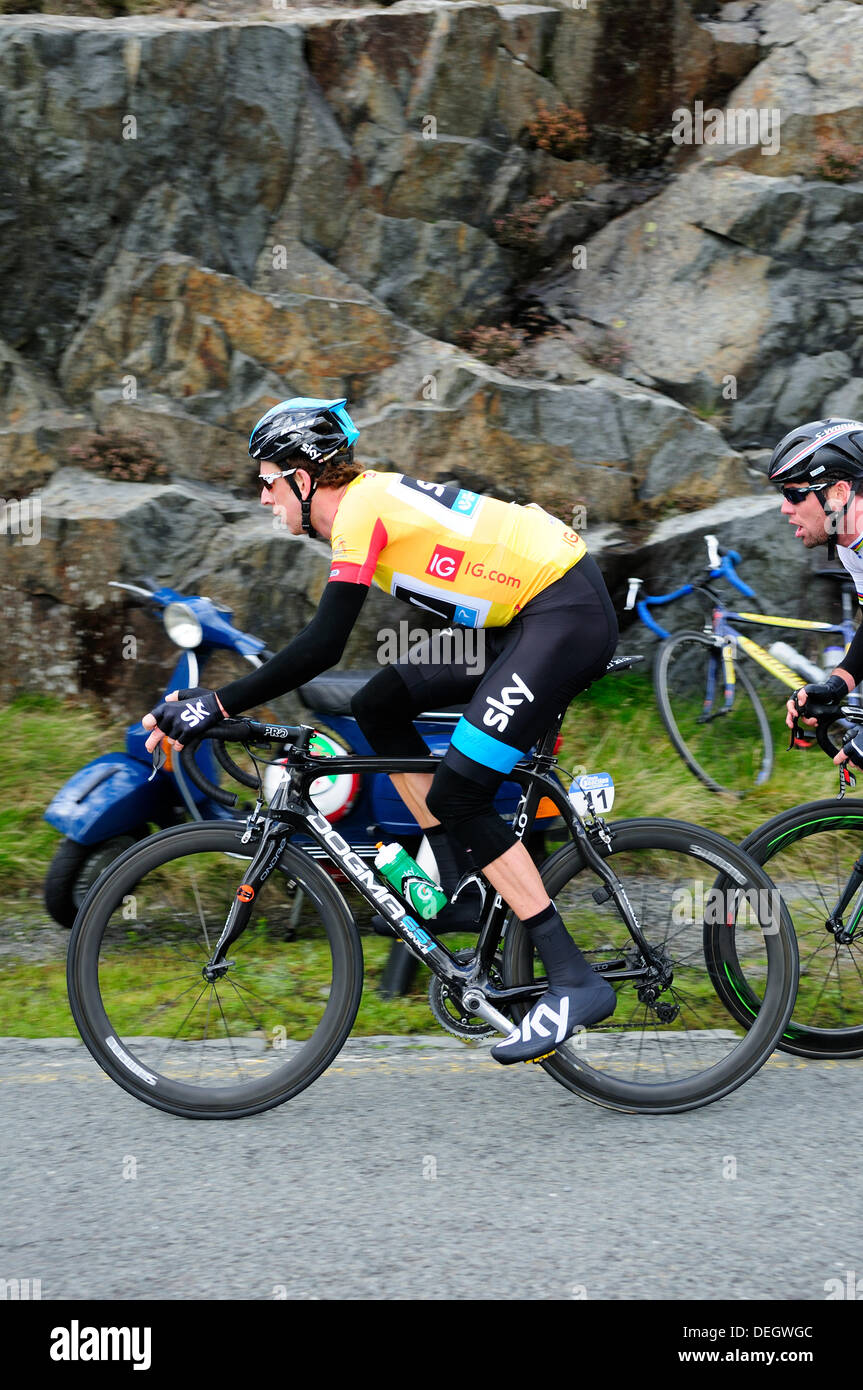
(468, 559)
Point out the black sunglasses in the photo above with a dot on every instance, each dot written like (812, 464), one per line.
(269, 479)
(795, 495)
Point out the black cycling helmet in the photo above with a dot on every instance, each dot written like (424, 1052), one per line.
(314, 432)
(824, 448)
(821, 451)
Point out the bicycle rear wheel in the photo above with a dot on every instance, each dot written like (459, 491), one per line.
(670, 1045)
(729, 750)
(245, 1042)
(809, 853)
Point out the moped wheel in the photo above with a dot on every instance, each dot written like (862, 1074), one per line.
(728, 750)
(247, 1041)
(74, 869)
(670, 1044)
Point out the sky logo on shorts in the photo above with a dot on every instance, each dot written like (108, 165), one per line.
(444, 563)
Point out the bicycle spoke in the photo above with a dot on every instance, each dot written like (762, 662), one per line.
(206, 1043)
(811, 863)
(670, 1027)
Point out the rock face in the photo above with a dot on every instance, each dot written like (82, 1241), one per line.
(739, 287)
(68, 630)
(201, 219)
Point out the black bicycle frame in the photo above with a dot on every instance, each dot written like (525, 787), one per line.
(292, 808)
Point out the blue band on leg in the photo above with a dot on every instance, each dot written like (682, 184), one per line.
(482, 748)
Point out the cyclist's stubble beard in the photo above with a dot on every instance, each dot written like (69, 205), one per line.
(814, 529)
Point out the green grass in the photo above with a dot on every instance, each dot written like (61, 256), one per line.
(615, 727)
(34, 1004)
(44, 742)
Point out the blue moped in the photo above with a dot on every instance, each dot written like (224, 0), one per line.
(116, 799)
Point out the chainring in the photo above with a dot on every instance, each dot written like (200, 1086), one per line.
(450, 1014)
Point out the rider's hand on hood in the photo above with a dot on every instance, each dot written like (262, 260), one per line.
(181, 713)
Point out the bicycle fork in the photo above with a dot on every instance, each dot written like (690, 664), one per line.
(844, 935)
(269, 853)
(724, 657)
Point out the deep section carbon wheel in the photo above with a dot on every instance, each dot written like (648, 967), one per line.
(810, 853)
(671, 1044)
(210, 1048)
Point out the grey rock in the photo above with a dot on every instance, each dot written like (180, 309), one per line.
(809, 382)
(303, 204)
(188, 443)
(753, 412)
(847, 401)
(98, 116)
(529, 31)
(443, 277)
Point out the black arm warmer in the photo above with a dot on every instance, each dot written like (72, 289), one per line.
(852, 661)
(318, 647)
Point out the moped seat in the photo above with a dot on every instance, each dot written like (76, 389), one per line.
(332, 693)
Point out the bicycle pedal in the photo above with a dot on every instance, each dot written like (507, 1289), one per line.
(529, 1061)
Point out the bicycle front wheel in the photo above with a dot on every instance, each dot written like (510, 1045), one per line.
(810, 853)
(247, 1041)
(670, 1044)
(728, 746)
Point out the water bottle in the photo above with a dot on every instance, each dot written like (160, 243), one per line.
(404, 873)
(807, 669)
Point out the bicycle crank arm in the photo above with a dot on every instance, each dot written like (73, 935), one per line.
(476, 1003)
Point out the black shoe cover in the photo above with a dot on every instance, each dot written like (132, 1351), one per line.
(560, 1012)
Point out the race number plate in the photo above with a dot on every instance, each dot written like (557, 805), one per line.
(593, 791)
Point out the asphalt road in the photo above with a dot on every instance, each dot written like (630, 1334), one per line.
(418, 1169)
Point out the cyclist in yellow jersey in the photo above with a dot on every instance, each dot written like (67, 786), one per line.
(470, 561)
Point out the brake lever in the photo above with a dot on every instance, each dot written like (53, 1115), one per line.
(160, 757)
(799, 737)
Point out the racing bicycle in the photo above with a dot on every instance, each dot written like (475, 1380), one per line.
(707, 699)
(192, 994)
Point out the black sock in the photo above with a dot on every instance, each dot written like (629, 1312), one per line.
(547, 914)
(563, 961)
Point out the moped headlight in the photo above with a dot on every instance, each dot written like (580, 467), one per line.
(182, 626)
